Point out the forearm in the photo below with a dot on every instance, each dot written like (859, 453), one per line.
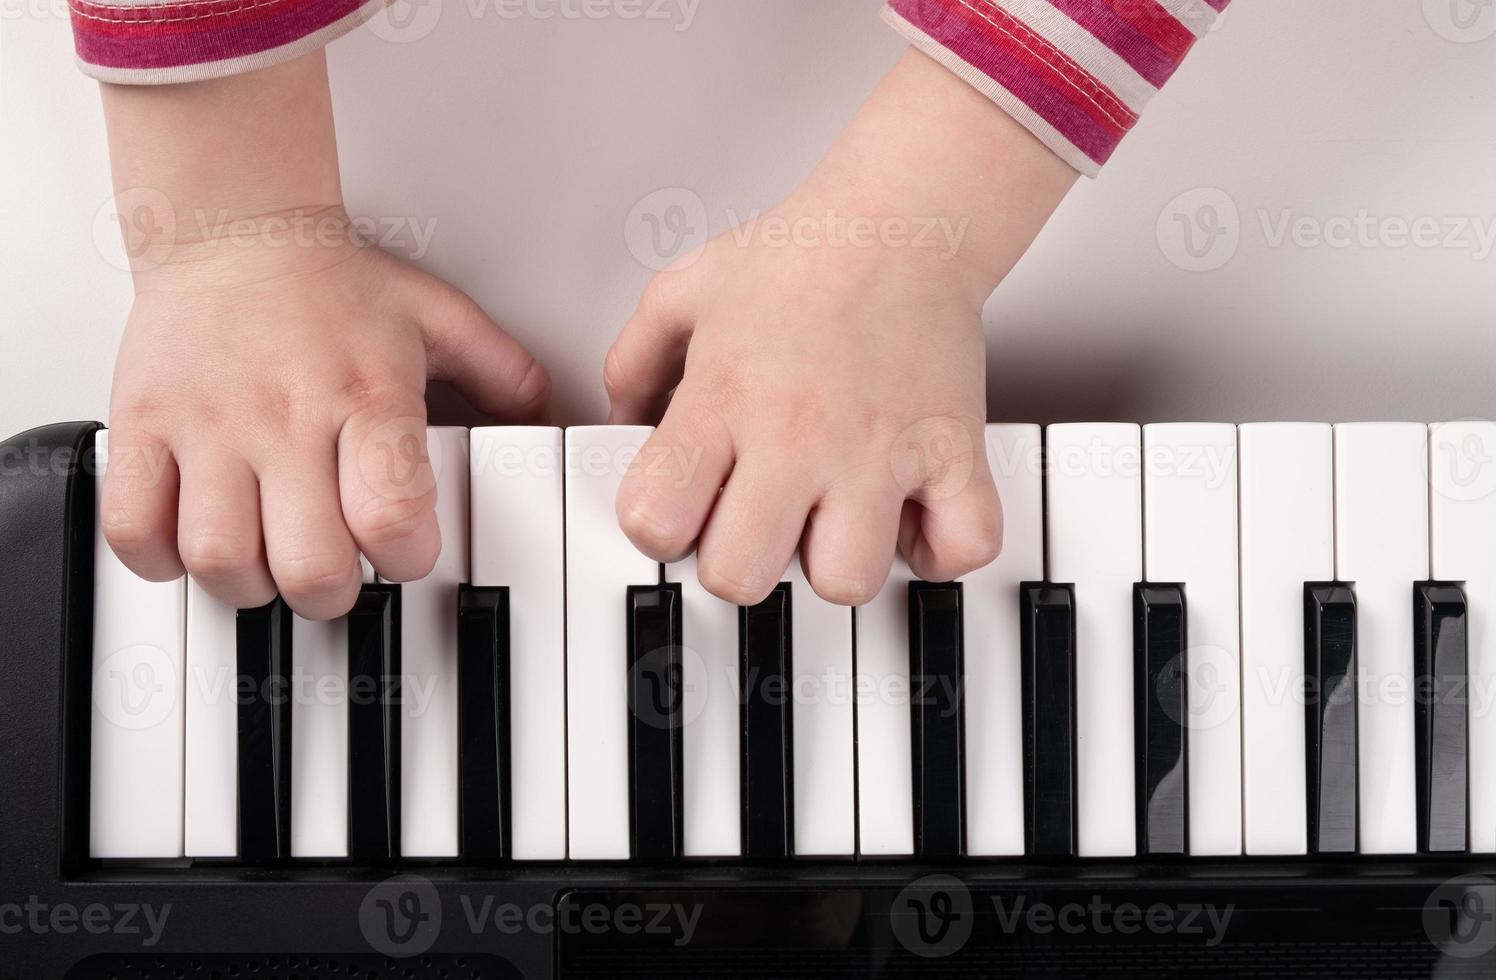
(220, 151)
(927, 147)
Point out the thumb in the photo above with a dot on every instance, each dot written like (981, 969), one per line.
(649, 357)
(486, 366)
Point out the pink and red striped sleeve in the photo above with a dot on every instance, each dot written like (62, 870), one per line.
(159, 41)
(1076, 73)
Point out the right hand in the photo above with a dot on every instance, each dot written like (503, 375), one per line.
(258, 393)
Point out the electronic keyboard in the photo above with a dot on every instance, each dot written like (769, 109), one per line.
(1224, 703)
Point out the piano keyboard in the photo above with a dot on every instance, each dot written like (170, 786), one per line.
(1199, 641)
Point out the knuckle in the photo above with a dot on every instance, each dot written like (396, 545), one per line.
(314, 576)
(387, 520)
(127, 531)
(741, 587)
(651, 528)
(847, 588)
(981, 544)
(534, 388)
(217, 553)
(365, 393)
(615, 378)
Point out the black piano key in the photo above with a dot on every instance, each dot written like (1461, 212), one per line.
(1161, 712)
(483, 723)
(1330, 716)
(374, 698)
(656, 691)
(263, 640)
(937, 730)
(1441, 667)
(764, 636)
(1048, 635)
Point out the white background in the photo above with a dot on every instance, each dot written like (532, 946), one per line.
(529, 142)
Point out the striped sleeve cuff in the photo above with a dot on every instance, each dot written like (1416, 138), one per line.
(152, 43)
(1077, 73)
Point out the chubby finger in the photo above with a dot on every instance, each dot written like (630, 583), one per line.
(664, 502)
(138, 504)
(387, 485)
(850, 542)
(218, 527)
(311, 553)
(487, 366)
(753, 531)
(648, 359)
(946, 537)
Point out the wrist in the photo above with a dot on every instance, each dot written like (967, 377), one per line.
(930, 150)
(236, 158)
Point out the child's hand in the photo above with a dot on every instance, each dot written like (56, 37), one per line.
(827, 360)
(285, 395)
(268, 412)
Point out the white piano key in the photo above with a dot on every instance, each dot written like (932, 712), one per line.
(1287, 539)
(518, 541)
(1382, 545)
(1190, 514)
(1462, 465)
(601, 564)
(211, 818)
(993, 684)
(885, 778)
(711, 731)
(1096, 542)
(319, 738)
(135, 743)
(822, 719)
(429, 762)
